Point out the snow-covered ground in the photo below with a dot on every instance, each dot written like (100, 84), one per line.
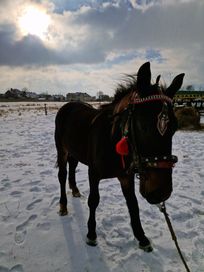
(33, 237)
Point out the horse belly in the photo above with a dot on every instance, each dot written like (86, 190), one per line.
(76, 145)
(74, 129)
(102, 155)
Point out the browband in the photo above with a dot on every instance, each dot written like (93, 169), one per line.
(157, 97)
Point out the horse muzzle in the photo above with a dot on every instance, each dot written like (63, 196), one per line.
(157, 197)
(156, 184)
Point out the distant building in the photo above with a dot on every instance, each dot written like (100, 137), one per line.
(17, 94)
(104, 97)
(31, 95)
(27, 95)
(78, 96)
(58, 97)
(13, 93)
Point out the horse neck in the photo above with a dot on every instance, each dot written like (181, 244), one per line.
(122, 104)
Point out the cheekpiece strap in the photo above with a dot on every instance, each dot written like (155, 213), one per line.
(135, 99)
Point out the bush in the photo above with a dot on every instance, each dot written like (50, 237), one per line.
(188, 118)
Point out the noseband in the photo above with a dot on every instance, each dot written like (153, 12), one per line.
(140, 163)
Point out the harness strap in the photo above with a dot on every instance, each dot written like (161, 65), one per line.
(160, 162)
(139, 163)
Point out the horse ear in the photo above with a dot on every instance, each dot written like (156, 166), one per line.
(144, 77)
(157, 80)
(175, 85)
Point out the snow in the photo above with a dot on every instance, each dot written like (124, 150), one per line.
(33, 237)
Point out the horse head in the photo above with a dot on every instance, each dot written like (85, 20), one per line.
(149, 126)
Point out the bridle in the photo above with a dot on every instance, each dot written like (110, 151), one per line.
(140, 163)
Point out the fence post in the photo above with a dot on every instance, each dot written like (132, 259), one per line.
(45, 109)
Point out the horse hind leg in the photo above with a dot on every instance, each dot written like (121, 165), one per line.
(72, 176)
(62, 176)
(93, 202)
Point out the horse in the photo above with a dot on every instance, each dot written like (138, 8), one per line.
(132, 135)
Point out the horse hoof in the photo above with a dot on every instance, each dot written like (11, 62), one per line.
(91, 242)
(63, 210)
(76, 194)
(147, 248)
(63, 213)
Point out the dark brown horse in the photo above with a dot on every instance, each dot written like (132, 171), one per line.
(133, 134)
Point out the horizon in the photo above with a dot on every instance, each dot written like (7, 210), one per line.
(98, 94)
(90, 45)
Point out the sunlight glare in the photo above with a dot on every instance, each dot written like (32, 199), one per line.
(34, 21)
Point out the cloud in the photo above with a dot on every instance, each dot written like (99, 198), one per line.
(31, 51)
(158, 26)
(107, 38)
(89, 35)
(28, 50)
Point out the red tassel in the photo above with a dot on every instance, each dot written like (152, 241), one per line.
(122, 147)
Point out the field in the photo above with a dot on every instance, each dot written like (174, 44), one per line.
(33, 237)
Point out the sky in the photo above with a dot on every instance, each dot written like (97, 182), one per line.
(62, 46)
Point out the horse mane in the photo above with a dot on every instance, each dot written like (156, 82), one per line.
(129, 85)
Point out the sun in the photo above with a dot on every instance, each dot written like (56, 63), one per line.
(34, 21)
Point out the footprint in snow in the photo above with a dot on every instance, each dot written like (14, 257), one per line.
(54, 201)
(32, 205)
(46, 173)
(43, 226)
(16, 268)
(16, 193)
(17, 180)
(35, 189)
(34, 183)
(21, 230)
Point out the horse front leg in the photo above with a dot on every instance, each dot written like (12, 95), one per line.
(93, 202)
(128, 189)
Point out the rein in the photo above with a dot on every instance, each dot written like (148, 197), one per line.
(139, 163)
(162, 209)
